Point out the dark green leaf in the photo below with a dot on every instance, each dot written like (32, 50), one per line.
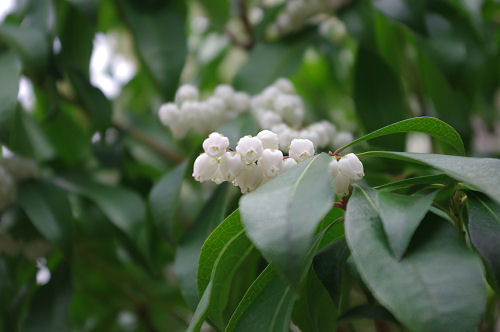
(401, 215)
(437, 286)
(267, 62)
(160, 37)
(484, 229)
(314, 310)
(218, 12)
(429, 125)
(226, 248)
(281, 216)
(164, 198)
(480, 173)
(188, 251)
(369, 311)
(425, 179)
(93, 100)
(328, 264)
(9, 81)
(378, 95)
(48, 209)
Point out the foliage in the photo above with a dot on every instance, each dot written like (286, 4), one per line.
(96, 191)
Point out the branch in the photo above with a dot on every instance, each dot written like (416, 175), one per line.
(246, 23)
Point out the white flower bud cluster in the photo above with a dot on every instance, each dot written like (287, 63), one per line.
(347, 168)
(255, 161)
(189, 112)
(279, 109)
(297, 12)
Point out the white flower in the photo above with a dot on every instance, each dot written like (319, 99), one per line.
(342, 138)
(186, 92)
(284, 85)
(215, 145)
(334, 167)
(291, 108)
(204, 167)
(231, 165)
(341, 183)
(250, 149)
(271, 162)
(351, 167)
(300, 149)
(286, 135)
(268, 96)
(310, 135)
(240, 102)
(269, 139)
(250, 178)
(225, 93)
(287, 164)
(268, 119)
(170, 115)
(218, 178)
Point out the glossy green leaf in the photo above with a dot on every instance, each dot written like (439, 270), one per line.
(229, 246)
(328, 264)
(218, 12)
(314, 310)
(437, 286)
(378, 95)
(48, 208)
(9, 80)
(425, 179)
(484, 230)
(94, 101)
(267, 62)
(428, 125)
(401, 215)
(164, 198)
(375, 312)
(124, 208)
(27, 138)
(270, 299)
(188, 250)
(280, 217)
(160, 37)
(480, 173)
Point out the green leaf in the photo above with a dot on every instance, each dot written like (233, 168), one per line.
(480, 173)
(328, 264)
(218, 12)
(484, 230)
(27, 138)
(378, 95)
(425, 179)
(188, 251)
(369, 311)
(401, 215)
(93, 100)
(281, 216)
(314, 310)
(10, 67)
(48, 209)
(164, 198)
(267, 62)
(270, 300)
(124, 208)
(226, 248)
(160, 38)
(437, 286)
(429, 125)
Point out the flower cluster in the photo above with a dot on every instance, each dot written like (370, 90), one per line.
(280, 109)
(258, 159)
(189, 112)
(255, 161)
(297, 12)
(347, 168)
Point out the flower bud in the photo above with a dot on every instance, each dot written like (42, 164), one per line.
(300, 149)
(250, 149)
(310, 135)
(231, 165)
(171, 116)
(287, 164)
(240, 102)
(250, 178)
(269, 139)
(204, 167)
(284, 85)
(334, 167)
(215, 145)
(268, 119)
(225, 92)
(341, 183)
(271, 162)
(351, 167)
(186, 92)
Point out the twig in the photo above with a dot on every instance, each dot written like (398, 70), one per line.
(246, 22)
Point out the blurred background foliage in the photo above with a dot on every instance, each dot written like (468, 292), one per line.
(103, 197)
